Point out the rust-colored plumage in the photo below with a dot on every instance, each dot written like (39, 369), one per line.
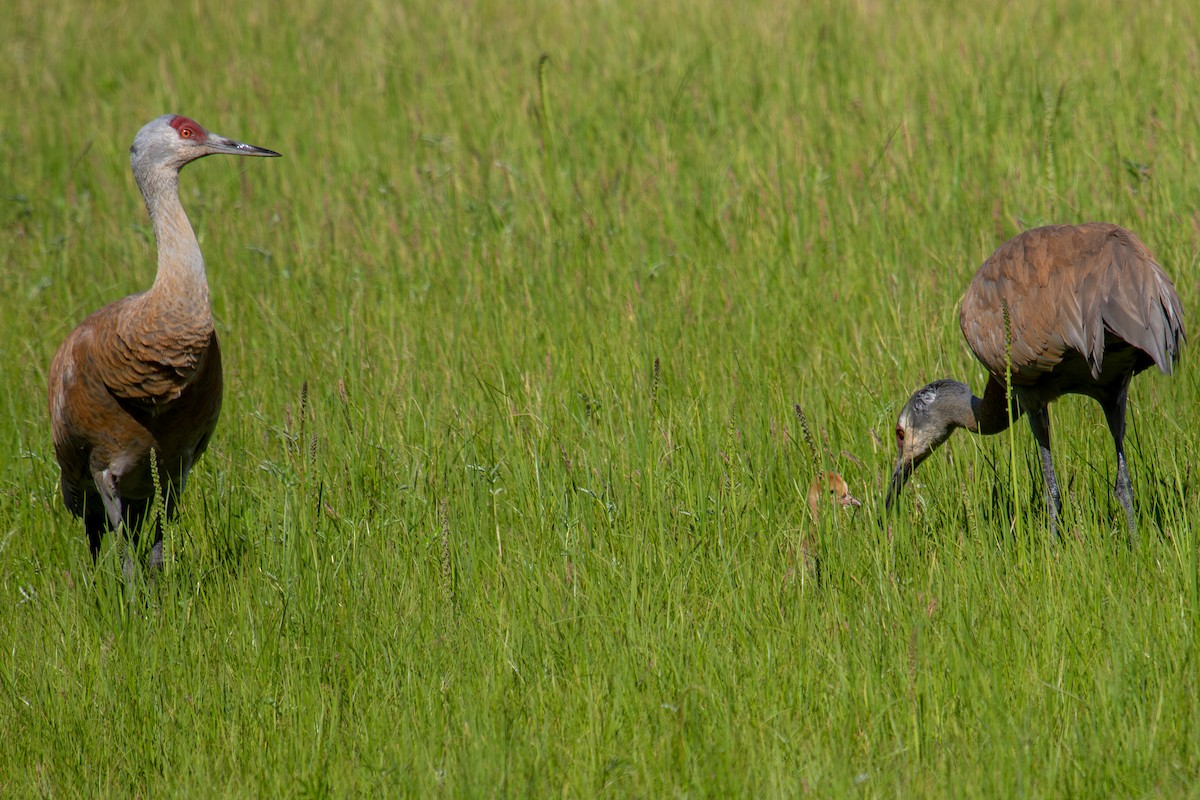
(831, 487)
(1087, 309)
(142, 376)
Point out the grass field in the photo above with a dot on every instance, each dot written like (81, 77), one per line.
(508, 493)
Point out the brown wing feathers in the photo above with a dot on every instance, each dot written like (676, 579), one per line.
(1070, 288)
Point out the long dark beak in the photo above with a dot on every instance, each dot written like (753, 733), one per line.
(219, 144)
(900, 476)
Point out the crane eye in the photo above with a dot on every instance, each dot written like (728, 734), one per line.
(899, 435)
(185, 133)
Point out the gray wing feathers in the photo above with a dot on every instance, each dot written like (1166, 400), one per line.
(1136, 302)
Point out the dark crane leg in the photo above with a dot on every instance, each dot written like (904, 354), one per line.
(155, 561)
(1114, 412)
(1039, 421)
(95, 525)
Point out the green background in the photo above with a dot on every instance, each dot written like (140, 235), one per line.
(508, 493)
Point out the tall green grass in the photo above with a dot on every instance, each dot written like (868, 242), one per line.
(508, 494)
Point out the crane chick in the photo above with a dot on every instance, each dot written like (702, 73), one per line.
(1064, 309)
(140, 379)
(829, 486)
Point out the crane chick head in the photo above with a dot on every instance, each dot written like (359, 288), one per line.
(172, 141)
(925, 422)
(833, 486)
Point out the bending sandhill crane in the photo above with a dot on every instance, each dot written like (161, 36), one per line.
(1088, 309)
(142, 375)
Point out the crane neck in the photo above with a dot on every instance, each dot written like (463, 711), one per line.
(990, 413)
(181, 283)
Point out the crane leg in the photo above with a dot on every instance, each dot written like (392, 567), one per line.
(1039, 421)
(95, 526)
(155, 561)
(1115, 414)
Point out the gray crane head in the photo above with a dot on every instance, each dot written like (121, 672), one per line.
(925, 422)
(172, 141)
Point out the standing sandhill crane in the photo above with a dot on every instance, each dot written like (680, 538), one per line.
(142, 376)
(1088, 308)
